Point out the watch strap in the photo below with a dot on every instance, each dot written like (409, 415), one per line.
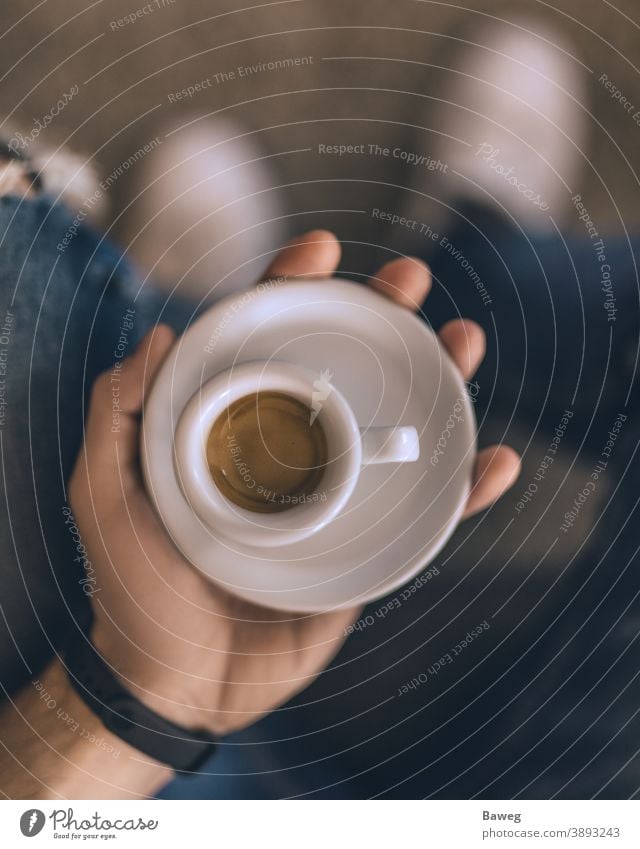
(182, 749)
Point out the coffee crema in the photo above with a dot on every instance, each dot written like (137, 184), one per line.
(265, 455)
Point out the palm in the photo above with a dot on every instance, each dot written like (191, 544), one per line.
(191, 650)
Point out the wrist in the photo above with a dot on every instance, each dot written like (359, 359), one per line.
(64, 751)
(188, 699)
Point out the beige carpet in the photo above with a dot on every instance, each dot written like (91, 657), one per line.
(126, 72)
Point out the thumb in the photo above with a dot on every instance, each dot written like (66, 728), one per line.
(113, 424)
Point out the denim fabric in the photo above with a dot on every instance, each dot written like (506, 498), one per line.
(62, 310)
(548, 704)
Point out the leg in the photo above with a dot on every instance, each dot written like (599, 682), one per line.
(69, 307)
(561, 319)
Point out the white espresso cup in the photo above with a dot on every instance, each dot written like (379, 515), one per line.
(349, 449)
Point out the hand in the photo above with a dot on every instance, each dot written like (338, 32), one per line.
(185, 647)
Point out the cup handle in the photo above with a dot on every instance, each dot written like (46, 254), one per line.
(389, 445)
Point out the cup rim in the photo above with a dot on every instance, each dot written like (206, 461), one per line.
(214, 509)
(331, 569)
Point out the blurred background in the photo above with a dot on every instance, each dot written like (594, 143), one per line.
(400, 52)
(376, 71)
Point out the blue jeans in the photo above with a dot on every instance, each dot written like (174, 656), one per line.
(66, 312)
(548, 704)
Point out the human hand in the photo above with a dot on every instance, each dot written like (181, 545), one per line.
(188, 649)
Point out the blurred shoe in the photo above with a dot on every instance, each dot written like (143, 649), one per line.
(16, 177)
(513, 128)
(63, 175)
(207, 219)
(68, 177)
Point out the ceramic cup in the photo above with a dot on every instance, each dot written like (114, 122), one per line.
(350, 448)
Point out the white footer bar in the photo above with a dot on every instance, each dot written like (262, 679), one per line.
(321, 824)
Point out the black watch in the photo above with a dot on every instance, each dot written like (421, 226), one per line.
(128, 718)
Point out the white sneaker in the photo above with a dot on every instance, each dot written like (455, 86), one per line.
(74, 181)
(68, 177)
(208, 218)
(513, 128)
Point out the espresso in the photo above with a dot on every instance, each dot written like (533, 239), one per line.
(264, 453)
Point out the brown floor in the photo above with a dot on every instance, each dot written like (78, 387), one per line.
(125, 75)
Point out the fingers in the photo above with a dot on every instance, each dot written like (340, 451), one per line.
(139, 370)
(496, 470)
(314, 254)
(116, 402)
(465, 342)
(406, 281)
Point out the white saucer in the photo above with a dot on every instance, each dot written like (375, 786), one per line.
(393, 371)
